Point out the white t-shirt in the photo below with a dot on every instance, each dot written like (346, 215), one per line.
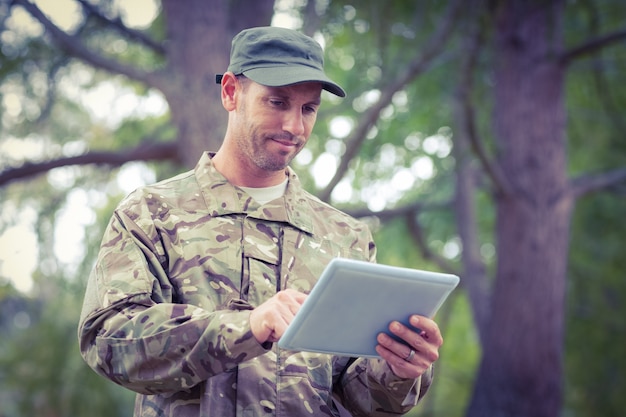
(267, 194)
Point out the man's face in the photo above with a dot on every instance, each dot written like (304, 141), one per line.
(273, 124)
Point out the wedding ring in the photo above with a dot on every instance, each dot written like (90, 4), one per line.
(410, 356)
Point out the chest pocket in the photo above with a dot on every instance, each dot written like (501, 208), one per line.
(305, 257)
(277, 256)
(261, 258)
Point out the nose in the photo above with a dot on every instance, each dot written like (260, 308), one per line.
(294, 123)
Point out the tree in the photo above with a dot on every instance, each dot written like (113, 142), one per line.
(510, 165)
(521, 370)
(198, 43)
(533, 208)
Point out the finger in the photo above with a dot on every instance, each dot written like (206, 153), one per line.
(423, 346)
(399, 366)
(269, 321)
(289, 302)
(290, 297)
(285, 308)
(399, 349)
(391, 356)
(428, 329)
(298, 295)
(423, 331)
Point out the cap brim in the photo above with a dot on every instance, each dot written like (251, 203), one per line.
(285, 75)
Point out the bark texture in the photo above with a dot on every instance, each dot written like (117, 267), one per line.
(521, 371)
(197, 48)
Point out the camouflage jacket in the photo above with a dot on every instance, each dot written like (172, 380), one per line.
(166, 310)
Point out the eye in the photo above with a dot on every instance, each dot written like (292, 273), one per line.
(309, 109)
(276, 102)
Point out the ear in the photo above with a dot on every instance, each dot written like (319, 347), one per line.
(230, 91)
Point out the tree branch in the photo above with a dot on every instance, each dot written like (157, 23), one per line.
(47, 105)
(117, 24)
(390, 214)
(74, 47)
(606, 94)
(419, 64)
(146, 151)
(418, 237)
(592, 46)
(410, 213)
(467, 115)
(587, 184)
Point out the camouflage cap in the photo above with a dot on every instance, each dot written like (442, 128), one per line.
(278, 57)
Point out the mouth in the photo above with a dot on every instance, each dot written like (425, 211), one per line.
(287, 142)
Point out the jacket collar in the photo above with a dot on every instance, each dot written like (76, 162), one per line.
(222, 198)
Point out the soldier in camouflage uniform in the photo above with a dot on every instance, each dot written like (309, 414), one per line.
(199, 275)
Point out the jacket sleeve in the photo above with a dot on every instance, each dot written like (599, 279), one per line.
(369, 387)
(131, 332)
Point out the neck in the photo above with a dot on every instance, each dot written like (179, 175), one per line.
(242, 174)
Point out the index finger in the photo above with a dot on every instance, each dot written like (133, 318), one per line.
(428, 328)
(290, 299)
(296, 295)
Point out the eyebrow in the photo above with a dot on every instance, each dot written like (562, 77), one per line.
(279, 92)
(317, 101)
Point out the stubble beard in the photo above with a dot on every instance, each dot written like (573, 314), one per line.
(256, 149)
(254, 146)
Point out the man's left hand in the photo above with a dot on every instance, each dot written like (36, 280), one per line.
(425, 344)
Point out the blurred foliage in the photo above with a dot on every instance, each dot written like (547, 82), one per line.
(596, 332)
(595, 365)
(368, 43)
(41, 370)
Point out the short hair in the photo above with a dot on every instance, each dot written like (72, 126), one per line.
(243, 80)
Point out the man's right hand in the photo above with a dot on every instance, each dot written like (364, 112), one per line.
(269, 321)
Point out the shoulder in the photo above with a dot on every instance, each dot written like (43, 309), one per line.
(321, 216)
(328, 219)
(173, 192)
(329, 211)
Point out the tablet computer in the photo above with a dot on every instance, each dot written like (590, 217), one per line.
(353, 301)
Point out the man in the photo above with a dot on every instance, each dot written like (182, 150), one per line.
(199, 275)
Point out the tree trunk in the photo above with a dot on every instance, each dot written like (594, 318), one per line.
(521, 370)
(199, 35)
